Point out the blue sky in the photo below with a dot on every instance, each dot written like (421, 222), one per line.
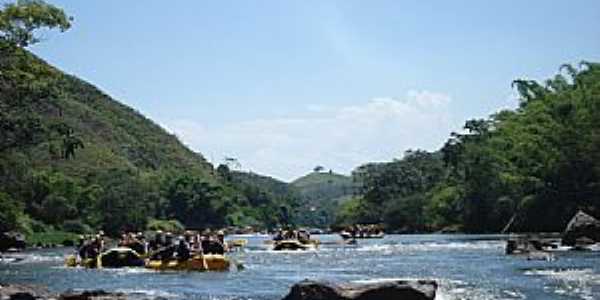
(287, 85)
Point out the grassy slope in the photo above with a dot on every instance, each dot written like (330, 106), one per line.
(115, 135)
(324, 186)
(266, 183)
(321, 194)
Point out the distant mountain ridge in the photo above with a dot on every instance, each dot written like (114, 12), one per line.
(321, 194)
(324, 185)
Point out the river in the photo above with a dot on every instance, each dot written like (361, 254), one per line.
(466, 267)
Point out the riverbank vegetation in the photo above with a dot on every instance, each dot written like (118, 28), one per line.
(528, 169)
(72, 159)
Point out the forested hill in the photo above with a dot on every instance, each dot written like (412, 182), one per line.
(321, 193)
(113, 135)
(528, 169)
(323, 186)
(72, 158)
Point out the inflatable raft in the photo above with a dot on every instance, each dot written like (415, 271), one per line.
(209, 262)
(112, 258)
(293, 245)
(239, 243)
(347, 235)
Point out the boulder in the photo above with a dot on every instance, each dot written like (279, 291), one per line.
(23, 292)
(522, 246)
(581, 226)
(383, 290)
(11, 240)
(91, 295)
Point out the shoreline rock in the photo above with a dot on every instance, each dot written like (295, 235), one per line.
(24, 291)
(35, 292)
(304, 290)
(12, 241)
(383, 290)
(533, 248)
(582, 230)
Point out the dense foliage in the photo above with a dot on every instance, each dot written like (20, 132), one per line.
(72, 158)
(321, 194)
(528, 169)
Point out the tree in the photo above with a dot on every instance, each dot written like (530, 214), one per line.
(10, 212)
(20, 20)
(318, 169)
(224, 172)
(232, 163)
(23, 83)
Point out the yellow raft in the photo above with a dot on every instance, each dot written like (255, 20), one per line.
(209, 262)
(112, 258)
(71, 261)
(287, 245)
(239, 243)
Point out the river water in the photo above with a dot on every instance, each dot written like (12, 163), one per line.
(466, 267)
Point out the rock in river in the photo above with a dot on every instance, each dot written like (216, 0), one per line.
(33, 292)
(24, 292)
(11, 240)
(384, 290)
(91, 295)
(581, 226)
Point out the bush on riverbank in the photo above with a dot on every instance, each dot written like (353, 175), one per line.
(523, 170)
(55, 237)
(165, 225)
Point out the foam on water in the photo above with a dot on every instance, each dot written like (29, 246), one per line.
(465, 267)
(455, 289)
(147, 293)
(459, 290)
(298, 252)
(484, 245)
(579, 282)
(31, 258)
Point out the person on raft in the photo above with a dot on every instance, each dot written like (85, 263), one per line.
(278, 236)
(91, 248)
(213, 244)
(183, 250)
(166, 250)
(156, 243)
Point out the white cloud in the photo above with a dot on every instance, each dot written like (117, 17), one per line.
(338, 138)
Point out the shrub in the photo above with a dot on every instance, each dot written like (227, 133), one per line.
(76, 226)
(165, 225)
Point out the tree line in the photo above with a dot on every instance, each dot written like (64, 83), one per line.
(73, 159)
(527, 169)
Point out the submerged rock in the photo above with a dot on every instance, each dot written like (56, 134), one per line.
(384, 290)
(91, 295)
(581, 226)
(522, 246)
(34, 292)
(533, 248)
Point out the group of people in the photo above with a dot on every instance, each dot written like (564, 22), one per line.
(89, 247)
(362, 231)
(163, 246)
(303, 236)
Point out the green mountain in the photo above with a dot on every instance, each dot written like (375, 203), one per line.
(321, 193)
(322, 186)
(73, 158)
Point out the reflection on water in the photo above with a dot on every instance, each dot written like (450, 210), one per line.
(467, 267)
